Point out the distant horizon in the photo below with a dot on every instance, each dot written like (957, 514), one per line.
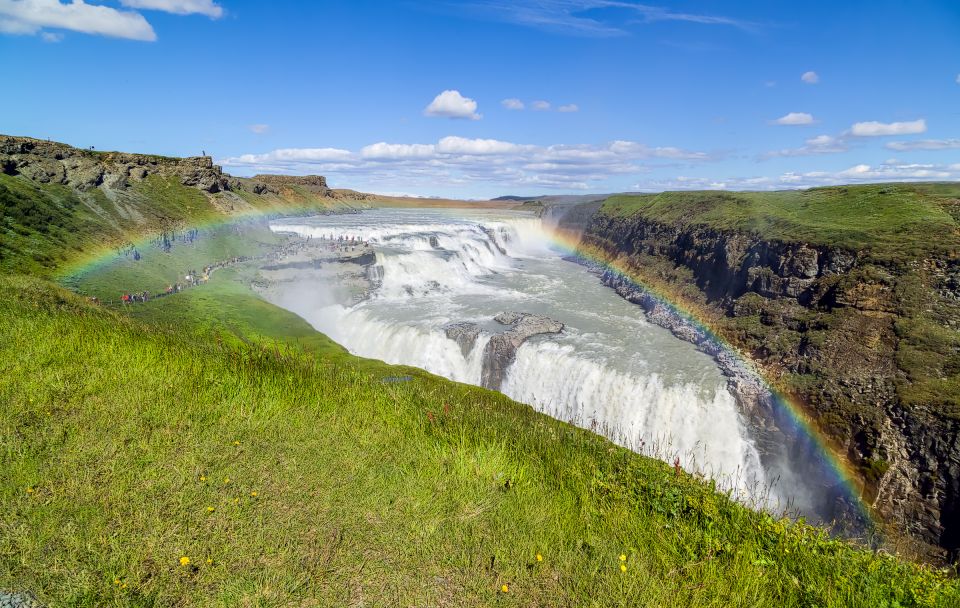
(495, 197)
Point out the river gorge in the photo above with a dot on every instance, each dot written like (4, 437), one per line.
(487, 297)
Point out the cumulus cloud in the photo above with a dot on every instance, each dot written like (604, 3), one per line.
(890, 171)
(461, 145)
(570, 107)
(178, 7)
(384, 151)
(821, 144)
(452, 104)
(465, 161)
(810, 77)
(30, 16)
(924, 144)
(512, 104)
(540, 105)
(875, 129)
(288, 156)
(259, 129)
(794, 118)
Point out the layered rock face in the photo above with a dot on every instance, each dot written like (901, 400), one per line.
(315, 183)
(828, 323)
(55, 163)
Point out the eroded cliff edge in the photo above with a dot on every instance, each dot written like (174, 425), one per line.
(855, 316)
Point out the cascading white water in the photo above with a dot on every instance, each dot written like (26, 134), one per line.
(609, 370)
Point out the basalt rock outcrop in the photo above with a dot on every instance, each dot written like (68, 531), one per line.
(501, 350)
(830, 325)
(55, 163)
(47, 162)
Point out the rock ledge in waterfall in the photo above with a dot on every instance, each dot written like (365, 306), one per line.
(464, 334)
(502, 348)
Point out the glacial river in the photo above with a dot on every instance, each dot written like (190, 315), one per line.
(609, 370)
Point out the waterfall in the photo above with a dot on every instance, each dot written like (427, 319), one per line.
(609, 371)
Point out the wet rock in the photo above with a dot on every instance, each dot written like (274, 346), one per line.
(464, 334)
(501, 350)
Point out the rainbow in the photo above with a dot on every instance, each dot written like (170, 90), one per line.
(790, 408)
(106, 254)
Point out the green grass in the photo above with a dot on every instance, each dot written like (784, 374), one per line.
(45, 226)
(889, 221)
(118, 438)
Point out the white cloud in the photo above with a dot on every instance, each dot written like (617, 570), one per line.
(286, 156)
(385, 151)
(570, 107)
(459, 161)
(821, 144)
(924, 144)
(540, 105)
(874, 128)
(822, 140)
(512, 104)
(461, 145)
(259, 129)
(452, 104)
(51, 36)
(810, 77)
(795, 118)
(890, 171)
(179, 7)
(30, 16)
(958, 79)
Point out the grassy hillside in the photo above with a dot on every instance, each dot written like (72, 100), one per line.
(144, 466)
(891, 221)
(43, 226)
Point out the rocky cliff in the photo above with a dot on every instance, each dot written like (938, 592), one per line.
(48, 162)
(863, 338)
(57, 200)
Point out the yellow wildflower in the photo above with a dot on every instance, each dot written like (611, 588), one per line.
(116, 581)
(203, 478)
(226, 480)
(623, 557)
(539, 557)
(505, 588)
(623, 567)
(123, 586)
(236, 443)
(254, 493)
(209, 561)
(184, 561)
(211, 509)
(29, 490)
(236, 501)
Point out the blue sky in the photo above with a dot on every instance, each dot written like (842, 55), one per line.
(441, 98)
